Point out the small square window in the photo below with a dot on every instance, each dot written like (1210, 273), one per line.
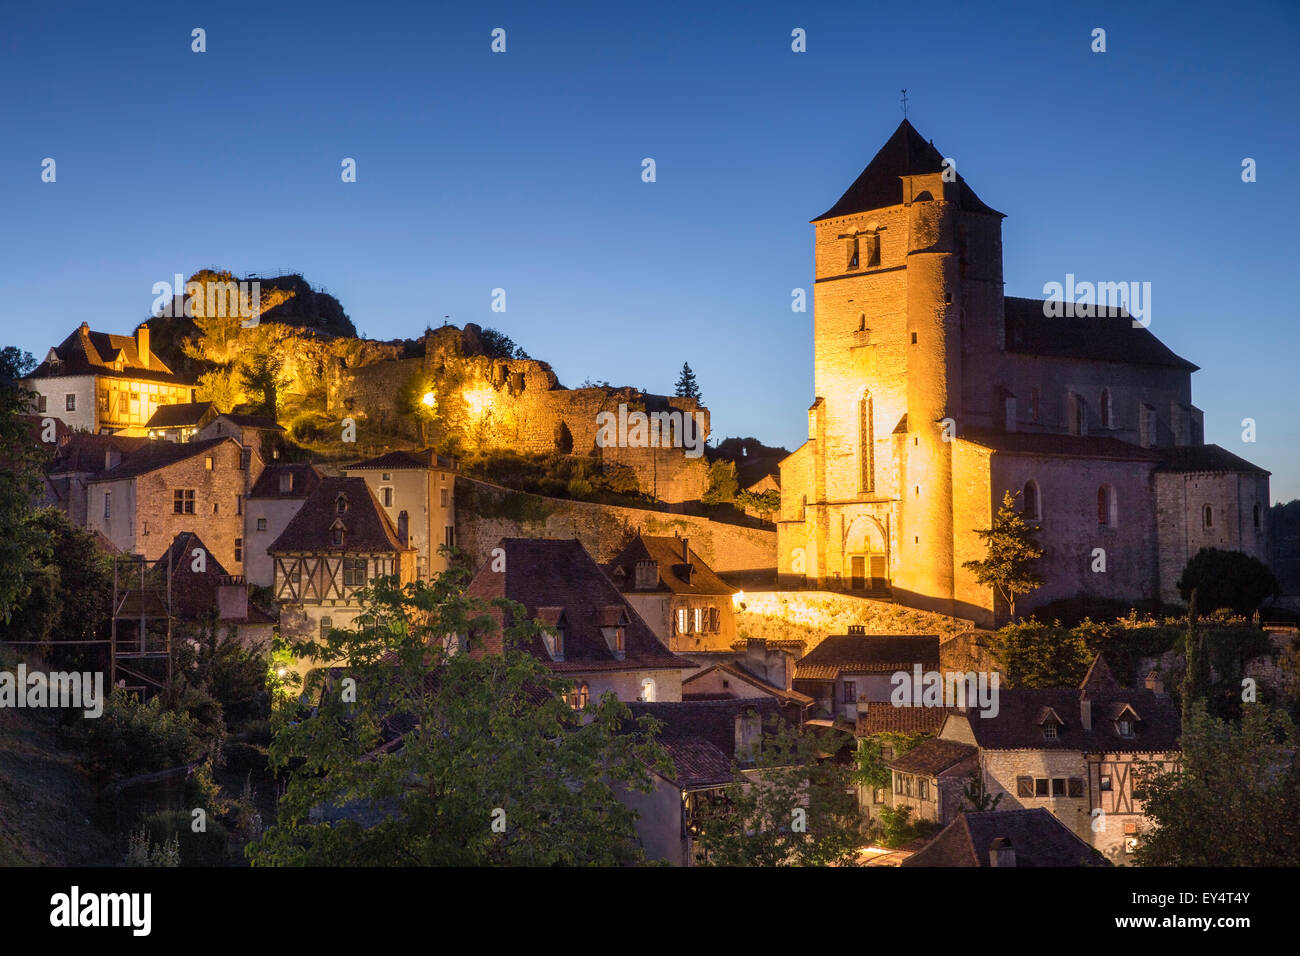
(261, 524)
(1040, 786)
(1058, 786)
(1105, 785)
(913, 338)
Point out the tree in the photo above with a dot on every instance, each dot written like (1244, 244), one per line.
(450, 757)
(1196, 676)
(261, 377)
(1032, 654)
(1012, 550)
(1234, 799)
(500, 346)
(23, 550)
(1231, 579)
(722, 484)
(687, 387)
(793, 810)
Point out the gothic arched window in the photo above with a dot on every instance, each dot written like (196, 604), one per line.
(866, 443)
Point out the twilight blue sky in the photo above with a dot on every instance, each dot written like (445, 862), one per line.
(522, 171)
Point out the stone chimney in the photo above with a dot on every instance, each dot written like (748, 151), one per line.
(1154, 683)
(1085, 713)
(686, 560)
(112, 457)
(142, 344)
(1002, 853)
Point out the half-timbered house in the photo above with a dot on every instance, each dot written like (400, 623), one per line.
(337, 543)
(1076, 752)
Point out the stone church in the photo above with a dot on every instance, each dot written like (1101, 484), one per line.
(934, 393)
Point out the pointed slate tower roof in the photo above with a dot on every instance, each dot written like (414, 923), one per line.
(905, 153)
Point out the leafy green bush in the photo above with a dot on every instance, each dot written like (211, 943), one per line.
(133, 737)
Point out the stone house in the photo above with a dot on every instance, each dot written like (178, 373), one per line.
(339, 540)
(711, 745)
(82, 457)
(935, 393)
(417, 490)
(732, 681)
(594, 637)
(180, 423)
(162, 489)
(686, 604)
(272, 502)
(101, 382)
(1004, 838)
(882, 723)
(932, 777)
(846, 671)
(1076, 752)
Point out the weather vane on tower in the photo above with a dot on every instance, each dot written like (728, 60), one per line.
(904, 102)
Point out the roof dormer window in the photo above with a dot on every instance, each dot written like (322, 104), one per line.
(337, 532)
(1124, 727)
(341, 505)
(286, 482)
(613, 625)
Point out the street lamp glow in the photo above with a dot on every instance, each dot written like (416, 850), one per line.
(428, 399)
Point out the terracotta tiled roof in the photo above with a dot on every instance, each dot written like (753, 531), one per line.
(1037, 837)
(305, 479)
(667, 553)
(394, 460)
(905, 153)
(366, 528)
(154, 455)
(870, 653)
(180, 415)
(885, 718)
(932, 757)
(85, 352)
(1057, 446)
(698, 763)
(1205, 459)
(1106, 339)
(546, 574)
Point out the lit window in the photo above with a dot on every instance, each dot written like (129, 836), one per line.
(699, 620)
(239, 549)
(683, 621)
(579, 696)
(207, 463)
(1124, 727)
(648, 690)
